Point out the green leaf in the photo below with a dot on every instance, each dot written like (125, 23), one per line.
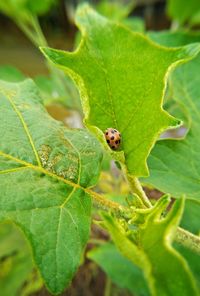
(120, 76)
(16, 264)
(174, 39)
(190, 219)
(193, 260)
(115, 10)
(178, 161)
(11, 74)
(45, 170)
(150, 249)
(23, 10)
(121, 271)
(40, 7)
(182, 11)
(135, 23)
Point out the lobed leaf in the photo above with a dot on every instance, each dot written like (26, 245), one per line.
(45, 170)
(165, 270)
(120, 75)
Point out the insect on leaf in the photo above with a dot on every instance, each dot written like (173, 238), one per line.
(121, 78)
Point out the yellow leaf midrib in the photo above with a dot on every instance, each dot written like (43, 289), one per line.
(9, 98)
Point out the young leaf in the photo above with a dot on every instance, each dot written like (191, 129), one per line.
(120, 76)
(121, 271)
(165, 270)
(178, 161)
(45, 170)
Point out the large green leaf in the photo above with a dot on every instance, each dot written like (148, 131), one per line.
(175, 164)
(150, 249)
(120, 76)
(45, 170)
(121, 271)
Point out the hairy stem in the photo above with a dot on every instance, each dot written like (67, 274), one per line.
(106, 204)
(188, 240)
(136, 188)
(183, 237)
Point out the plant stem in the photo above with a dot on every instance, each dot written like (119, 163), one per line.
(106, 204)
(39, 33)
(108, 285)
(96, 241)
(137, 189)
(183, 237)
(188, 240)
(28, 32)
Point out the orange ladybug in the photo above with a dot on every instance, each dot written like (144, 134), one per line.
(113, 138)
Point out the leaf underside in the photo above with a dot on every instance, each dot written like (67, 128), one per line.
(44, 172)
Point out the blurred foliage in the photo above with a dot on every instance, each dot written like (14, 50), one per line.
(121, 271)
(24, 9)
(115, 10)
(17, 273)
(174, 38)
(11, 74)
(190, 219)
(184, 11)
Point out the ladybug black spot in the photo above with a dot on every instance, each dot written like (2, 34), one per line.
(113, 138)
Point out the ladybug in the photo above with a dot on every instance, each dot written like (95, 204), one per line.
(113, 138)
